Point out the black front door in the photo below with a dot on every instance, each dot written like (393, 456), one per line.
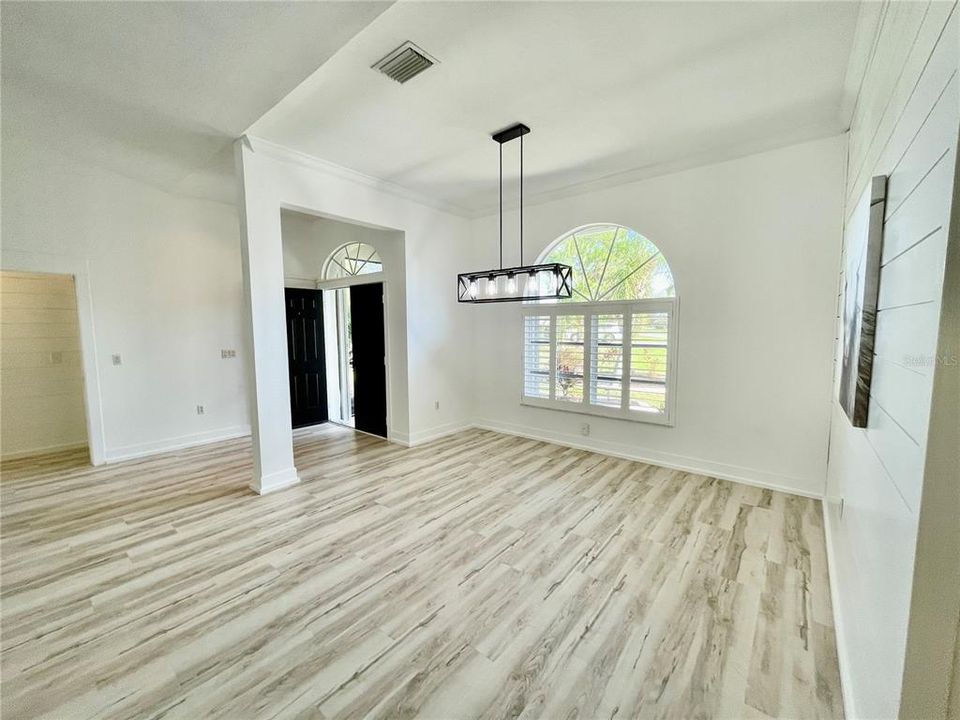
(369, 359)
(308, 377)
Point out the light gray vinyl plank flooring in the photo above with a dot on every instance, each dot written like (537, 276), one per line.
(478, 576)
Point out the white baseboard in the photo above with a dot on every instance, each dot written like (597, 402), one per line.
(398, 438)
(46, 450)
(157, 447)
(276, 481)
(734, 473)
(839, 626)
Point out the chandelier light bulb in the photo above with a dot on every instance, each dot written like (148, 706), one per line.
(491, 286)
(473, 289)
(548, 281)
(511, 284)
(532, 284)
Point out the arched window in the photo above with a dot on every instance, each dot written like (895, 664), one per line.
(612, 262)
(610, 349)
(352, 259)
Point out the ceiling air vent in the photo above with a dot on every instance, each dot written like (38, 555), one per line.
(404, 63)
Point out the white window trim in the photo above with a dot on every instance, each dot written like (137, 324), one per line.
(667, 305)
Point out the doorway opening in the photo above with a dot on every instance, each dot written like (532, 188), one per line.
(354, 335)
(44, 394)
(340, 359)
(337, 322)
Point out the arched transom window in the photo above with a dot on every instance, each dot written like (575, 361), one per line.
(612, 262)
(610, 349)
(352, 259)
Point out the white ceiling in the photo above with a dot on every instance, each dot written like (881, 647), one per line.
(611, 91)
(158, 91)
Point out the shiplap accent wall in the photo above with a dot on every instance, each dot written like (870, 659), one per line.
(41, 380)
(904, 125)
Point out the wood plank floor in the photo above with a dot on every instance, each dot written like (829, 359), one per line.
(479, 576)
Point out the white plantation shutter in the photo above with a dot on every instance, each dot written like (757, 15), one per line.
(606, 360)
(568, 380)
(612, 359)
(648, 361)
(536, 356)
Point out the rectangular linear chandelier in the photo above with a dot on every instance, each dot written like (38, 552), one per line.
(548, 281)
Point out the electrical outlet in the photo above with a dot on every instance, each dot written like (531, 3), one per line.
(199, 409)
(226, 354)
(117, 360)
(585, 429)
(56, 358)
(436, 404)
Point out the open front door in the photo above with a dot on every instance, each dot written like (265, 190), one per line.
(369, 358)
(308, 377)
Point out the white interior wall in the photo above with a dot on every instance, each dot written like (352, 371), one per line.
(754, 245)
(905, 126)
(308, 241)
(41, 373)
(165, 293)
(159, 275)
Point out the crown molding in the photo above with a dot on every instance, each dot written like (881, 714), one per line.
(284, 154)
(808, 133)
(816, 131)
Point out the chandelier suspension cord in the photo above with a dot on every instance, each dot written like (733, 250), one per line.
(518, 282)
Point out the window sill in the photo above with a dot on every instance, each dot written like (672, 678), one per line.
(613, 413)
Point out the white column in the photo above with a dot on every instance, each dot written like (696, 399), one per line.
(268, 377)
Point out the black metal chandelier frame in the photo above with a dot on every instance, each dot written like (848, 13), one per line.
(523, 282)
(470, 287)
